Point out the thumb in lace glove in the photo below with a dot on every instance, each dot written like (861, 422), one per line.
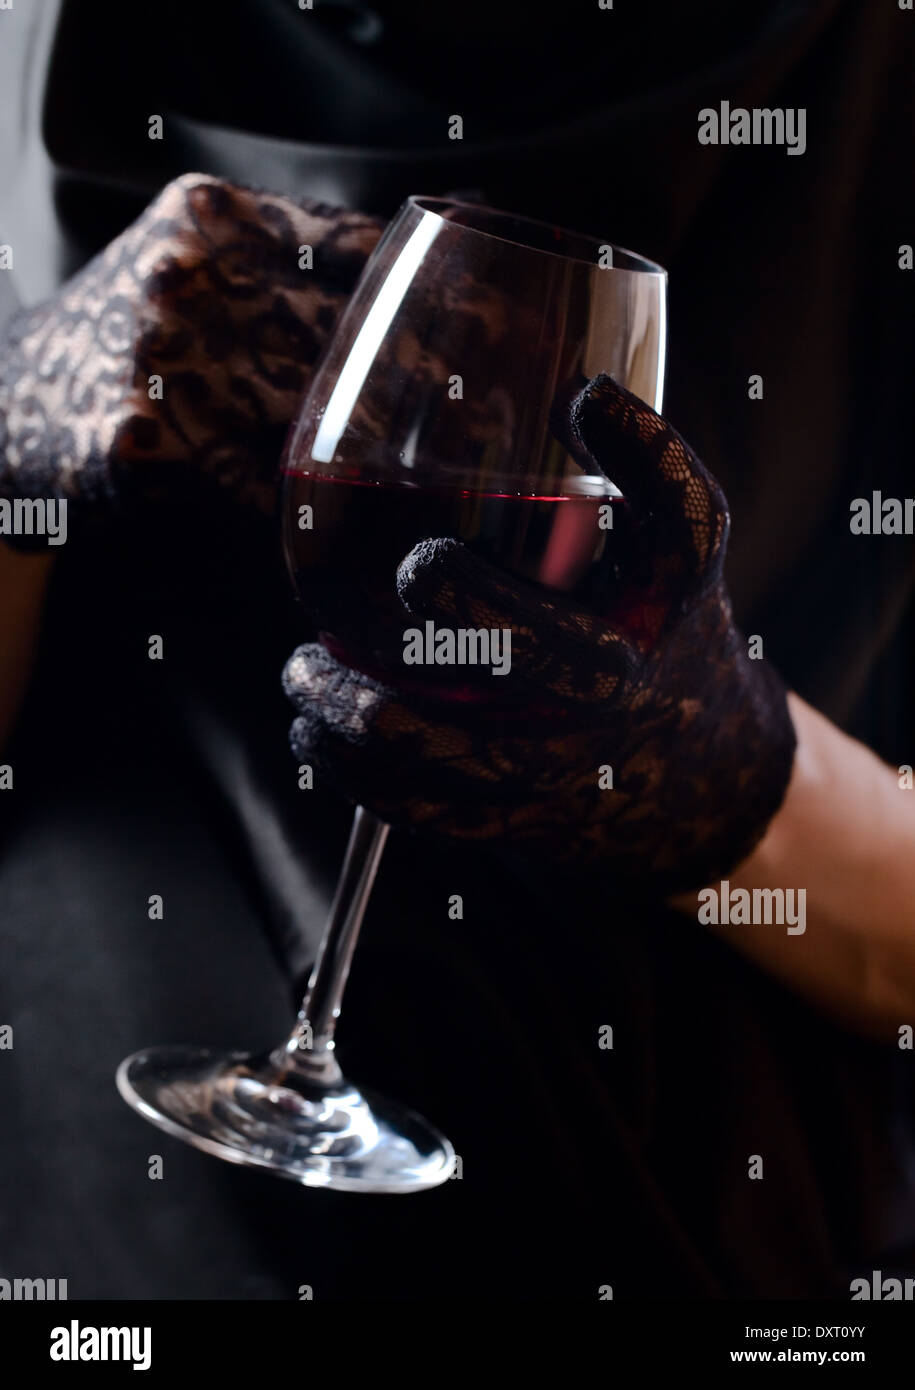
(659, 688)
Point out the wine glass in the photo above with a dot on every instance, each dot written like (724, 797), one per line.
(437, 411)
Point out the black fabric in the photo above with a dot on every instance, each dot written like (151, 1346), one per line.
(581, 1166)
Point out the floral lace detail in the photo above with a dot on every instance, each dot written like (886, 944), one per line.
(660, 689)
(205, 291)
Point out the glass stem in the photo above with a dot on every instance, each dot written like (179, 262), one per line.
(309, 1049)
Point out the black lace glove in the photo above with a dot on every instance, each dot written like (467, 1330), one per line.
(204, 291)
(660, 689)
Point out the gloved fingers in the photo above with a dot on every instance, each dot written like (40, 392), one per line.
(179, 352)
(232, 322)
(346, 699)
(555, 648)
(409, 764)
(246, 237)
(683, 508)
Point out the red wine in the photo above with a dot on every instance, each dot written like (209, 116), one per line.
(346, 537)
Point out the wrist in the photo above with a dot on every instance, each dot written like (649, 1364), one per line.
(844, 836)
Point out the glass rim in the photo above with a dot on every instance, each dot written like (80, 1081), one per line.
(637, 264)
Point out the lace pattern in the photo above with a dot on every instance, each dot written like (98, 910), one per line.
(660, 688)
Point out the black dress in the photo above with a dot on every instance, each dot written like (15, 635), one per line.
(581, 1167)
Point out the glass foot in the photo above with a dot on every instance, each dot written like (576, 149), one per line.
(254, 1111)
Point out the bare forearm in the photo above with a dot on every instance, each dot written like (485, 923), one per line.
(846, 835)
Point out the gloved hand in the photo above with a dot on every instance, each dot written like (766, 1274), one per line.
(205, 291)
(660, 689)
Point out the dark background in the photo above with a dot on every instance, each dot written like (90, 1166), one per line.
(580, 1167)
